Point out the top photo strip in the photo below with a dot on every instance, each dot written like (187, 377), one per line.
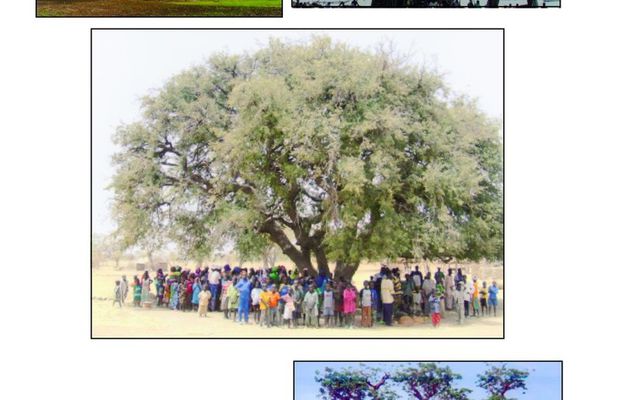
(426, 3)
(159, 8)
(248, 8)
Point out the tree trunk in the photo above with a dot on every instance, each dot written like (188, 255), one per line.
(322, 261)
(302, 259)
(345, 270)
(150, 257)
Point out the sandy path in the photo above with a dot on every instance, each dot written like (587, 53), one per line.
(111, 321)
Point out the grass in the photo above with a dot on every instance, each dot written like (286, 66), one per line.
(159, 8)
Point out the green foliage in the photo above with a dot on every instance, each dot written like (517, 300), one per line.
(354, 384)
(425, 381)
(499, 380)
(321, 147)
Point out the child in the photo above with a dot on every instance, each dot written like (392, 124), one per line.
(225, 304)
(117, 294)
(483, 298)
(232, 300)
(311, 299)
(349, 305)
(204, 299)
(434, 302)
(137, 291)
(196, 289)
(256, 292)
(366, 305)
(298, 297)
(475, 297)
(329, 306)
(274, 299)
(493, 300)
(289, 307)
(265, 295)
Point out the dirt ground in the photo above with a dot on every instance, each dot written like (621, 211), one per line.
(112, 321)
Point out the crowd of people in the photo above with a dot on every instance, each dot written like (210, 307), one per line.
(281, 297)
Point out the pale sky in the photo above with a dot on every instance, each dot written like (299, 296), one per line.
(544, 381)
(129, 64)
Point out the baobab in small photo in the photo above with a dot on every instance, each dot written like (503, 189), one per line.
(416, 380)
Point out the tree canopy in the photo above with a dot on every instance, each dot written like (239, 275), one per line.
(354, 384)
(429, 381)
(328, 151)
(420, 381)
(499, 380)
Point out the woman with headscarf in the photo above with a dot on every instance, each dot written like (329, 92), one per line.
(137, 291)
(159, 287)
(174, 295)
(146, 288)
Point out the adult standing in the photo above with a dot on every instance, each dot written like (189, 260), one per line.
(311, 301)
(146, 288)
(428, 286)
(124, 288)
(449, 284)
(387, 298)
(214, 281)
(460, 299)
(493, 298)
(244, 288)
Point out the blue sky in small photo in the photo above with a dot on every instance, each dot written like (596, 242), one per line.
(544, 381)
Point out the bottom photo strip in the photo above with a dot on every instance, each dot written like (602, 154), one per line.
(427, 380)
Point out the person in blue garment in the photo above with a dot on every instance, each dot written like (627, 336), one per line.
(493, 298)
(195, 294)
(244, 288)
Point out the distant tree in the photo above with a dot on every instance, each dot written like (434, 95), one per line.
(354, 384)
(499, 380)
(429, 381)
(493, 3)
(106, 248)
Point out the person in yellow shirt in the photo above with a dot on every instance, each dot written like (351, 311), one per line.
(265, 298)
(274, 298)
(204, 300)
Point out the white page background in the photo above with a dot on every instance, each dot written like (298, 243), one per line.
(566, 193)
